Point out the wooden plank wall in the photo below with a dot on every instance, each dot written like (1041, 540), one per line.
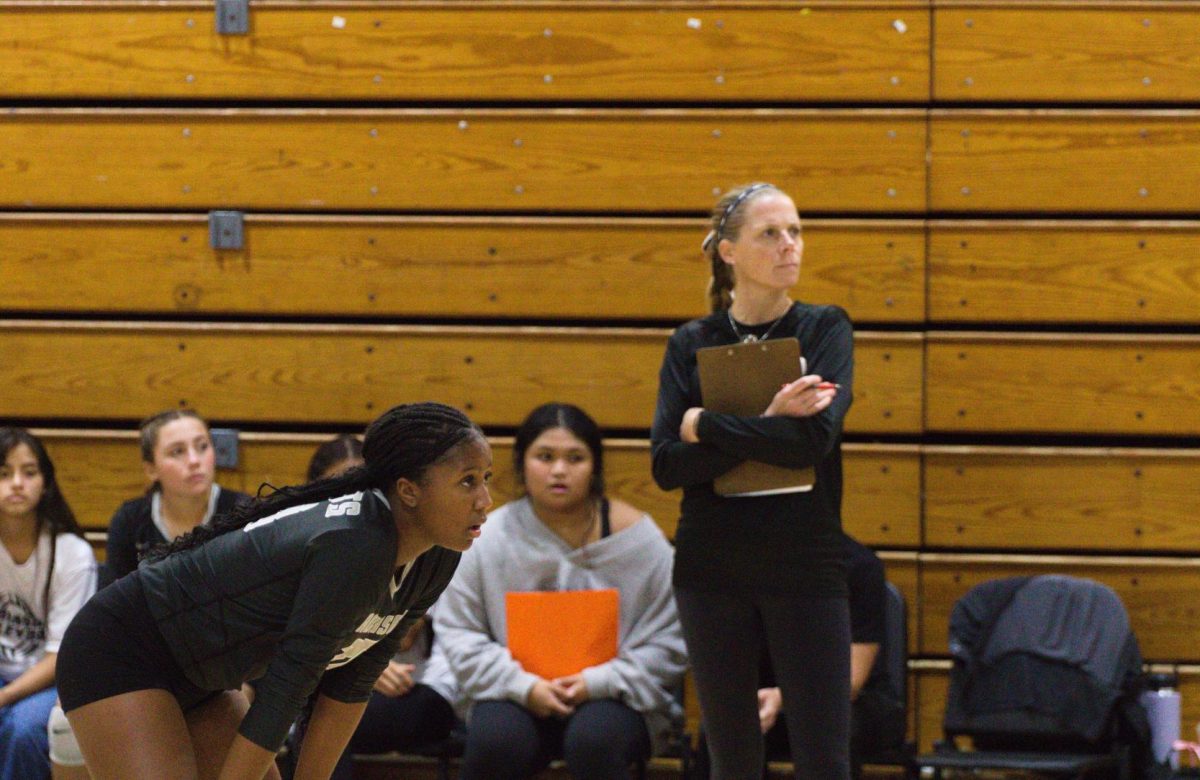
(497, 203)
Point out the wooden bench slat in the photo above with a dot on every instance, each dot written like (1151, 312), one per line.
(1030, 500)
(881, 505)
(438, 160)
(1041, 271)
(1157, 593)
(602, 268)
(1062, 383)
(98, 470)
(932, 686)
(889, 380)
(979, 271)
(315, 374)
(901, 569)
(1064, 161)
(1115, 500)
(1189, 688)
(1112, 52)
(471, 51)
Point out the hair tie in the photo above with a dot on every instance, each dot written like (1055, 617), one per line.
(719, 232)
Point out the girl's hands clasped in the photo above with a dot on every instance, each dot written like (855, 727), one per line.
(575, 687)
(807, 396)
(549, 699)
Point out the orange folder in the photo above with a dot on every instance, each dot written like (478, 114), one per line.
(558, 633)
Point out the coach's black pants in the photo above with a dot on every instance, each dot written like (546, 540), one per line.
(808, 639)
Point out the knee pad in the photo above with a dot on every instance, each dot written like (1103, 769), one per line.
(64, 749)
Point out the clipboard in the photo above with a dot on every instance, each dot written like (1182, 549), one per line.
(742, 379)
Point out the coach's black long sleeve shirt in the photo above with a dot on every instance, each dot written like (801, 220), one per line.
(789, 543)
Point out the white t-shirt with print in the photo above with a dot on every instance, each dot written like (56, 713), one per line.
(26, 631)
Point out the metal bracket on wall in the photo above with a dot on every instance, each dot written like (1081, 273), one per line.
(226, 229)
(233, 17)
(225, 445)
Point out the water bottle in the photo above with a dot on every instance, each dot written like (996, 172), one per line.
(1162, 704)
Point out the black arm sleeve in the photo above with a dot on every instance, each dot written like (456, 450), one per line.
(794, 442)
(325, 610)
(354, 682)
(676, 463)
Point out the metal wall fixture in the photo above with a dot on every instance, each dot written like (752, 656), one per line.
(226, 229)
(233, 17)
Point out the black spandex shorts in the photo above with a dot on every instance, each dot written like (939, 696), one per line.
(113, 646)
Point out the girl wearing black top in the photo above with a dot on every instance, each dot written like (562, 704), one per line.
(761, 571)
(180, 464)
(309, 589)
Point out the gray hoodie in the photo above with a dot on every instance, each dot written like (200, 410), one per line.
(518, 552)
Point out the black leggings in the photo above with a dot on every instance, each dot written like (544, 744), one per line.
(600, 741)
(808, 638)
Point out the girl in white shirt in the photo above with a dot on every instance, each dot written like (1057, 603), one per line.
(47, 572)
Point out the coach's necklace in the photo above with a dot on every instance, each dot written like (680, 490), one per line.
(750, 338)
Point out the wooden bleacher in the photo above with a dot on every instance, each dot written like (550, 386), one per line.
(351, 373)
(99, 469)
(595, 268)
(1102, 52)
(1156, 591)
(1062, 383)
(1101, 161)
(1028, 271)
(1100, 500)
(464, 51)
(985, 271)
(1005, 200)
(487, 160)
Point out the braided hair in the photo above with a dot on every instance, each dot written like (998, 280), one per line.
(403, 442)
(728, 215)
(53, 512)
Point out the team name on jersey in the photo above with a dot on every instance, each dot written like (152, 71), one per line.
(378, 626)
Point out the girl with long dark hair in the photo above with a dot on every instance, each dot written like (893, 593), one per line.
(47, 572)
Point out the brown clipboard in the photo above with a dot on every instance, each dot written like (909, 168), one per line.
(742, 379)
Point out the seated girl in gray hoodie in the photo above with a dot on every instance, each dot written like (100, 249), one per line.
(563, 535)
